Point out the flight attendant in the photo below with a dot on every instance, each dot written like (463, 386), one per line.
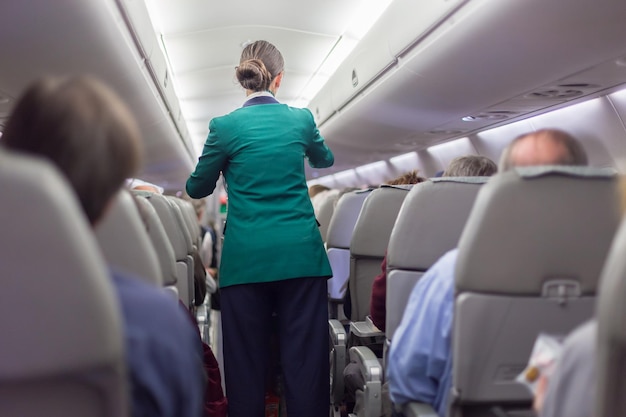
(273, 258)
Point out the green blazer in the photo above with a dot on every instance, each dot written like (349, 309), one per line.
(271, 231)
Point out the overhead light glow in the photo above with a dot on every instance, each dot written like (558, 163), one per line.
(403, 159)
(368, 13)
(344, 175)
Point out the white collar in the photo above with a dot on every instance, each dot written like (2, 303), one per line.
(259, 94)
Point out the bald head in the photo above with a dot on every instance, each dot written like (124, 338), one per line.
(544, 147)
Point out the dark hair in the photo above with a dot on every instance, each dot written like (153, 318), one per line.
(470, 166)
(410, 177)
(82, 127)
(574, 153)
(316, 189)
(260, 63)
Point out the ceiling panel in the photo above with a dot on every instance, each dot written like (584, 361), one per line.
(222, 46)
(322, 16)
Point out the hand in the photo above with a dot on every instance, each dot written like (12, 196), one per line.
(540, 393)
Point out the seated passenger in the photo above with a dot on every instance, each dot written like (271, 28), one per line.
(85, 129)
(420, 360)
(462, 166)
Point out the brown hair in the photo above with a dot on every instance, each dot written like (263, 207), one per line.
(316, 189)
(260, 63)
(82, 127)
(410, 177)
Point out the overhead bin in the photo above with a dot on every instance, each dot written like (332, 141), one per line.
(495, 61)
(401, 25)
(140, 26)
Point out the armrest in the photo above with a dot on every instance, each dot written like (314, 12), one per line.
(416, 409)
(372, 372)
(365, 328)
(368, 363)
(337, 332)
(337, 361)
(202, 315)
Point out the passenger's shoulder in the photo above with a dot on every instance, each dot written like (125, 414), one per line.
(135, 293)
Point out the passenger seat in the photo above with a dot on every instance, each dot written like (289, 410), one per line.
(529, 261)
(62, 340)
(429, 224)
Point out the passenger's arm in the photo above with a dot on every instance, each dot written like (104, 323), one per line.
(420, 350)
(213, 160)
(319, 155)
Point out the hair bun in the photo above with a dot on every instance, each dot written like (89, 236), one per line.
(252, 75)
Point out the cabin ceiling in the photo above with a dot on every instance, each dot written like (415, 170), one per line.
(204, 40)
(429, 65)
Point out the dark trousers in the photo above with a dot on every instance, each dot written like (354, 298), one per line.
(301, 308)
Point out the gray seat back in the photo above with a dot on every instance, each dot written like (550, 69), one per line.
(160, 241)
(611, 315)
(180, 239)
(369, 243)
(62, 345)
(429, 224)
(189, 218)
(325, 214)
(338, 241)
(529, 261)
(125, 243)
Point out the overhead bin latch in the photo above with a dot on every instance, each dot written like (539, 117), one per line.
(561, 290)
(355, 79)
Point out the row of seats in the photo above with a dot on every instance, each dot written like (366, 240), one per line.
(531, 244)
(56, 279)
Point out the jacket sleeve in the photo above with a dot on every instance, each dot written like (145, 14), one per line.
(318, 154)
(212, 161)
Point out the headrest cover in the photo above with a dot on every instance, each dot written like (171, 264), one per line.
(377, 217)
(58, 311)
(344, 218)
(575, 171)
(430, 221)
(462, 180)
(527, 229)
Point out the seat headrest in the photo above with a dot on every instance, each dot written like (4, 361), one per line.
(58, 311)
(344, 218)
(189, 217)
(377, 217)
(172, 222)
(125, 242)
(430, 221)
(160, 241)
(533, 225)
